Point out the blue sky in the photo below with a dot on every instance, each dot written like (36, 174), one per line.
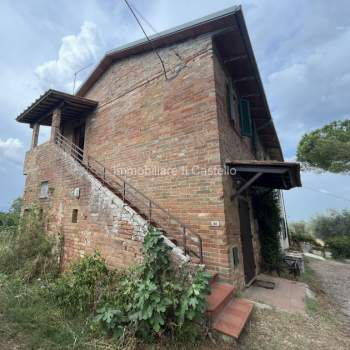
(302, 49)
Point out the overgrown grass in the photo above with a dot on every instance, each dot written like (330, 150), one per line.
(26, 251)
(91, 306)
(43, 325)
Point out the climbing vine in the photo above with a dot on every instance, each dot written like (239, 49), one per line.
(268, 214)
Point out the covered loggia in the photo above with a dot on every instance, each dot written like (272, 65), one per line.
(65, 113)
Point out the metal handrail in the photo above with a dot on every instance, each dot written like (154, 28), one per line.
(187, 240)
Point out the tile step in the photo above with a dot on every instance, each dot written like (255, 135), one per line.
(233, 317)
(221, 294)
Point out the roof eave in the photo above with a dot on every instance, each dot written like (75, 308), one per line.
(244, 32)
(127, 49)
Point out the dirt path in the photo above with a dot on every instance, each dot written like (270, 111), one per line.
(335, 280)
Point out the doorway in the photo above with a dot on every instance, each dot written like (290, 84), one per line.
(79, 139)
(246, 240)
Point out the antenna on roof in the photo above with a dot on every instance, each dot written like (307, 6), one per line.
(77, 72)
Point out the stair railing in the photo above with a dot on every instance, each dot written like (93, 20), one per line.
(177, 232)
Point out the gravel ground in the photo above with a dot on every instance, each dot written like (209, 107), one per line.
(335, 280)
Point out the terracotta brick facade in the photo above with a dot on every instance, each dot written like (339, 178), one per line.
(144, 121)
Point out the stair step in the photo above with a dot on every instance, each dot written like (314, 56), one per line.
(233, 317)
(214, 278)
(221, 294)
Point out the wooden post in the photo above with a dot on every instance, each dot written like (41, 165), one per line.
(55, 124)
(35, 134)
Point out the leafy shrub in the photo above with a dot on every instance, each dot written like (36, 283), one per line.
(27, 251)
(83, 286)
(339, 247)
(149, 300)
(156, 298)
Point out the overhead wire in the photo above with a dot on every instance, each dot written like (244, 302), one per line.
(148, 39)
(327, 193)
(152, 28)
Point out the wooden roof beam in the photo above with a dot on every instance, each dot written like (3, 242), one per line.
(247, 78)
(236, 58)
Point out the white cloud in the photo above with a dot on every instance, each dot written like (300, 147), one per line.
(312, 92)
(76, 52)
(11, 149)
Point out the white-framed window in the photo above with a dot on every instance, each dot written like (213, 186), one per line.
(44, 189)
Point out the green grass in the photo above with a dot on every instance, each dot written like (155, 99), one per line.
(39, 321)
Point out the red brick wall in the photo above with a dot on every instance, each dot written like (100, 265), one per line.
(103, 223)
(144, 120)
(233, 146)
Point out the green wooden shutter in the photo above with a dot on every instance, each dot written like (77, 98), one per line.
(230, 102)
(245, 118)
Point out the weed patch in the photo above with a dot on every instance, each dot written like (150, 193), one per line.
(27, 252)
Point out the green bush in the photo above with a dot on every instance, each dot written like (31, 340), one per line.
(156, 299)
(152, 300)
(339, 247)
(27, 251)
(83, 286)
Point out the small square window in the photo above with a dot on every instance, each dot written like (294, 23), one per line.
(44, 189)
(75, 216)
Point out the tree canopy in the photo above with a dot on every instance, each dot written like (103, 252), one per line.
(11, 217)
(336, 223)
(327, 148)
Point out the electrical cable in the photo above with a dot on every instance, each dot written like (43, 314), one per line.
(152, 28)
(148, 39)
(327, 193)
(151, 78)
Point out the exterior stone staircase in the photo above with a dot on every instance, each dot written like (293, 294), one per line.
(176, 231)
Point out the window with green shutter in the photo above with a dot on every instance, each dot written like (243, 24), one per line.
(245, 118)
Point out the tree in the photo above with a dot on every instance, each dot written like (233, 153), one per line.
(298, 228)
(327, 148)
(334, 224)
(11, 217)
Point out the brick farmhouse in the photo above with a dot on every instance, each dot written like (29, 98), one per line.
(180, 143)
